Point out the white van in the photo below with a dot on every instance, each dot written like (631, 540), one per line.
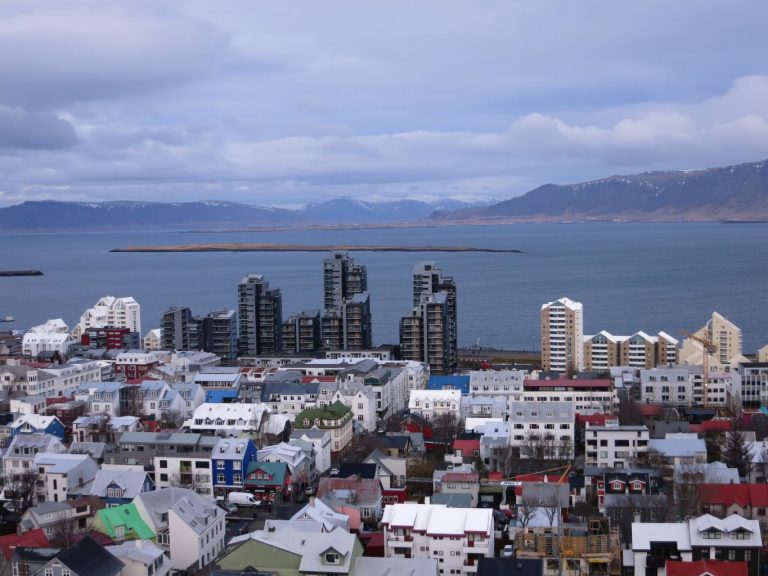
(243, 499)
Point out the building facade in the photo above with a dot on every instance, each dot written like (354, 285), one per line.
(562, 336)
(260, 313)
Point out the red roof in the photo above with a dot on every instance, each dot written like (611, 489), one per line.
(744, 495)
(473, 477)
(569, 383)
(310, 379)
(594, 419)
(463, 444)
(713, 567)
(32, 539)
(651, 409)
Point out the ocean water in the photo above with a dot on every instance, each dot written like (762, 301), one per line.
(629, 276)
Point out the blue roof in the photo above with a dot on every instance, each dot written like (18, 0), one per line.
(449, 383)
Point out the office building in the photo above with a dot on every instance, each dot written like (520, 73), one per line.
(562, 336)
(260, 312)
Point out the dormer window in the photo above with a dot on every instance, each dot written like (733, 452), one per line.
(712, 534)
(740, 535)
(331, 558)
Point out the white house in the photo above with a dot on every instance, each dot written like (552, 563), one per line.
(540, 419)
(101, 397)
(53, 336)
(160, 400)
(192, 394)
(141, 558)
(432, 403)
(196, 527)
(457, 536)
(21, 452)
(62, 475)
(153, 340)
(232, 418)
(361, 400)
(321, 440)
(614, 446)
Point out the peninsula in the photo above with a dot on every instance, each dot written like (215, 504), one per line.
(248, 247)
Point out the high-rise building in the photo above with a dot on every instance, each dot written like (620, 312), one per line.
(260, 312)
(175, 329)
(562, 336)
(429, 333)
(346, 323)
(219, 334)
(605, 350)
(110, 312)
(216, 332)
(301, 333)
(724, 335)
(342, 278)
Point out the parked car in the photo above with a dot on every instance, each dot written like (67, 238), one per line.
(243, 499)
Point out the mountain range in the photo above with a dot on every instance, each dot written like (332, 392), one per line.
(737, 193)
(730, 193)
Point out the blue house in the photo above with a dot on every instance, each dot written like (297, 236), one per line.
(229, 463)
(117, 487)
(35, 423)
(449, 382)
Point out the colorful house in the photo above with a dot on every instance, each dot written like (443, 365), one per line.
(268, 481)
(35, 424)
(230, 459)
(122, 523)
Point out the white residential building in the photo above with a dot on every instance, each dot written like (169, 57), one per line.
(231, 418)
(196, 527)
(152, 340)
(727, 339)
(192, 394)
(684, 386)
(505, 383)
(529, 420)
(141, 558)
(361, 400)
(562, 335)
(432, 403)
(53, 336)
(28, 405)
(587, 396)
(110, 312)
(614, 446)
(456, 537)
(62, 475)
(160, 400)
(321, 440)
(21, 452)
(101, 397)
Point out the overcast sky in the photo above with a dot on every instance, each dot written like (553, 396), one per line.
(287, 102)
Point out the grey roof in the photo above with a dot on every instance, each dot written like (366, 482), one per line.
(289, 387)
(197, 512)
(88, 558)
(94, 449)
(131, 481)
(37, 440)
(48, 507)
(165, 438)
(452, 500)
(226, 449)
(144, 551)
(314, 433)
(157, 502)
(401, 566)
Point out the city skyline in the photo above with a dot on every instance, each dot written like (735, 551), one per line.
(285, 105)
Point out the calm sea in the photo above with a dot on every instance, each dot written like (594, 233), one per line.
(629, 277)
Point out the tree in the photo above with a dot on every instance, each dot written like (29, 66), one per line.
(629, 412)
(759, 425)
(445, 428)
(21, 488)
(172, 419)
(526, 510)
(736, 452)
(551, 504)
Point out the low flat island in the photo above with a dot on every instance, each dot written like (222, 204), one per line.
(240, 247)
(20, 273)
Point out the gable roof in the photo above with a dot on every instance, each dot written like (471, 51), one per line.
(88, 558)
(276, 470)
(131, 481)
(129, 518)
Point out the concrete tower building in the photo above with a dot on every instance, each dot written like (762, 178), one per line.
(429, 333)
(346, 322)
(260, 314)
(562, 336)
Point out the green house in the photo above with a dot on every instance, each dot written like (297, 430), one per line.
(122, 523)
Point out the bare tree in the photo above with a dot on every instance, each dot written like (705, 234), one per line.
(526, 510)
(550, 504)
(189, 481)
(172, 419)
(629, 412)
(64, 534)
(445, 428)
(21, 488)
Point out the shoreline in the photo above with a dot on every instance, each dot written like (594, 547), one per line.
(248, 247)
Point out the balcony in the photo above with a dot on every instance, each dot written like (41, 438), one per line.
(476, 547)
(470, 567)
(400, 541)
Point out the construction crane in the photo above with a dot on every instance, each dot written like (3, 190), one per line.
(708, 347)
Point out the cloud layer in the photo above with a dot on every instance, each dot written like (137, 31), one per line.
(287, 103)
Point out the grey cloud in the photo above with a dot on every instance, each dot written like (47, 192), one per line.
(20, 129)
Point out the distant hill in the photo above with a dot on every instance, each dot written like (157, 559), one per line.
(733, 192)
(51, 215)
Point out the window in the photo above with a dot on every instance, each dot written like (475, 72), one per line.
(163, 463)
(331, 558)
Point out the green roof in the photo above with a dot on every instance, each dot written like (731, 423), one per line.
(277, 470)
(318, 416)
(108, 520)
